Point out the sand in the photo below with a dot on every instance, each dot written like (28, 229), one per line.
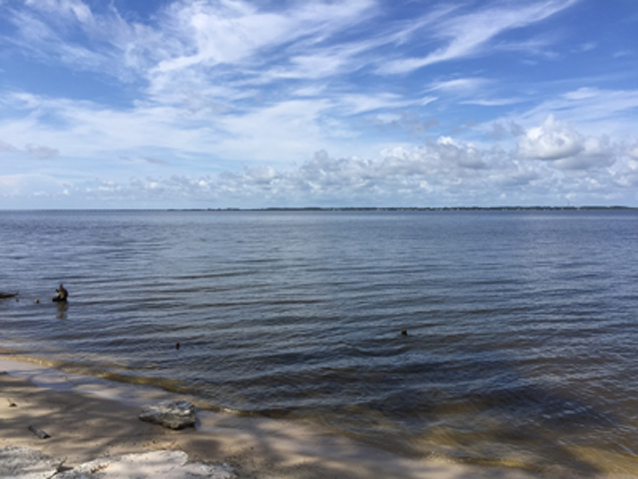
(88, 419)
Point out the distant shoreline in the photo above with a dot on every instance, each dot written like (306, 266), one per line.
(418, 208)
(415, 208)
(354, 208)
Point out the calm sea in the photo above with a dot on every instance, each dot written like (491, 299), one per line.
(522, 343)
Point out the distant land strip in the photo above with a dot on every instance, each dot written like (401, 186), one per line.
(416, 208)
(355, 208)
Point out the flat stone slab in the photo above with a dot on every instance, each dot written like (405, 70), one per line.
(150, 465)
(24, 463)
(171, 414)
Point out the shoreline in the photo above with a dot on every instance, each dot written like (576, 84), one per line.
(89, 418)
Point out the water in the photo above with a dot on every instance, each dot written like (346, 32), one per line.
(522, 326)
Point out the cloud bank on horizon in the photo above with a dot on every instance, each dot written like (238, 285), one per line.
(238, 103)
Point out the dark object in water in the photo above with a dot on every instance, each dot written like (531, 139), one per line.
(7, 295)
(62, 294)
(39, 432)
(176, 345)
(404, 332)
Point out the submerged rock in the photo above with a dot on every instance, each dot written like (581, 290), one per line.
(171, 414)
(23, 463)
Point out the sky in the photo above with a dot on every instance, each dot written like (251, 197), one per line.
(299, 103)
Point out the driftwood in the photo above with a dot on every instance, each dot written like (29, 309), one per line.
(62, 294)
(39, 432)
(7, 295)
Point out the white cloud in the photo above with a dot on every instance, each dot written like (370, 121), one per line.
(585, 47)
(459, 85)
(354, 104)
(466, 35)
(595, 110)
(250, 88)
(408, 121)
(445, 171)
(75, 8)
(5, 147)
(229, 32)
(556, 142)
(550, 141)
(493, 101)
(31, 184)
(42, 152)
(65, 32)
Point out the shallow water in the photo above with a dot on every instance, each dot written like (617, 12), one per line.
(522, 326)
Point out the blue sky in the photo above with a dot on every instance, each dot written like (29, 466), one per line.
(224, 103)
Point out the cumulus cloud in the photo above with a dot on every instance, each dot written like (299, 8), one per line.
(552, 140)
(442, 172)
(444, 168)
(557, 142)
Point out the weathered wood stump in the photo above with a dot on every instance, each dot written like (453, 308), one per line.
(62, 295)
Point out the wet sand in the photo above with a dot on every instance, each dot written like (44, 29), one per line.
(88, 418)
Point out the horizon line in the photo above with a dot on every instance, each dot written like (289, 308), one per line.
(345, 208)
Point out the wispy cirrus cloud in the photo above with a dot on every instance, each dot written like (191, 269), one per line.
(230, 32)
(468, 35)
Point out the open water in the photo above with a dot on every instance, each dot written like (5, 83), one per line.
(522, 342)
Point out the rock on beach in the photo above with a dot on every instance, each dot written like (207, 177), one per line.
(24, 463)
(170, 414)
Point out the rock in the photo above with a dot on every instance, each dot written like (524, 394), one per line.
(171, 414)
(155, 465)
(23, 463)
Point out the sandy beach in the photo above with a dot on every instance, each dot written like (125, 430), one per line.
(87, 419)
